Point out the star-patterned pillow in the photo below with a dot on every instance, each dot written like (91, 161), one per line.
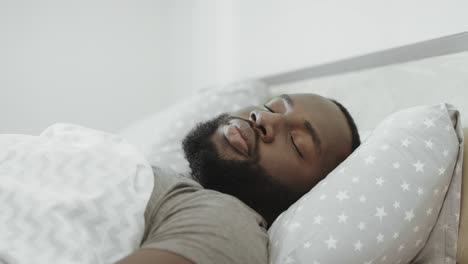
(160, 136)
(394, 200)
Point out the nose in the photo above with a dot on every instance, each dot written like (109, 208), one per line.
(266, 123)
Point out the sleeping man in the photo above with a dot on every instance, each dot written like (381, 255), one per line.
(248, 167)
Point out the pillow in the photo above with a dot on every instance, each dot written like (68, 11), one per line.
(462, 243)
(160, 136)
(382, 203)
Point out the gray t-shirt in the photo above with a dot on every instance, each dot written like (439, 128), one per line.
(202, 225)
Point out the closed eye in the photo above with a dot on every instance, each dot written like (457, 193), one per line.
(268, 108)
(295, 146)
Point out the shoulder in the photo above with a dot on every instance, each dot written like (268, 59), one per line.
(206, 226)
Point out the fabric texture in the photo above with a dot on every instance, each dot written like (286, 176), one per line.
(71, 195)
(441, 245)
(395, 193)
(462, 252)
(159, 136)
(201, 225)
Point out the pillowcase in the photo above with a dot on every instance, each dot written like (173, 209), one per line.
(381, 204)
(160, 136)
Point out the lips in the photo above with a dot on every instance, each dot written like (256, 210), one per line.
(240, 136)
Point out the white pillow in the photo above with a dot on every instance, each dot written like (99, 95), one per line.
(160, 136)
(382, 203)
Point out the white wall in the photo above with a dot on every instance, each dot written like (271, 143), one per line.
(273, 35)
(105, 63)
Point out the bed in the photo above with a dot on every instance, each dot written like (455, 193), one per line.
(374, 85)
(371, 86)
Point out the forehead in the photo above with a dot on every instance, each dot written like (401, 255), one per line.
(309, 102)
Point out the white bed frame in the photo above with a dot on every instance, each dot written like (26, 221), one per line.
(422, 50)
(374, 85)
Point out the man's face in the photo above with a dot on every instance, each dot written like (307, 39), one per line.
(302, 137)
(285, 146)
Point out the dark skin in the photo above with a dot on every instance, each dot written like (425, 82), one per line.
(287, 149)
(293, 152)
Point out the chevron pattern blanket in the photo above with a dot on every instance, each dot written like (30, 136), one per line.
(71, 195)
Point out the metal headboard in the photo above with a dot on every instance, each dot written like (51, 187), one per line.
(421, 50)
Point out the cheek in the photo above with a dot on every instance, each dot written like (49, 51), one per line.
(282, 165)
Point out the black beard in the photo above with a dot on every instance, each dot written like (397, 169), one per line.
(245, 180)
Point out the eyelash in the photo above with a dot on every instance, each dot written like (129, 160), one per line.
(291, 137)
(295, 146)
(268, 108)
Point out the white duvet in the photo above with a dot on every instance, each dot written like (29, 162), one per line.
(71, 195)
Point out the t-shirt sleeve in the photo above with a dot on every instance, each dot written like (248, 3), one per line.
(206, 227)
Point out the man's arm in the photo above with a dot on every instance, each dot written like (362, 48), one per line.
(154, 256)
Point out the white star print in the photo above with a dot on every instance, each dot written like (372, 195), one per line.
(416, 229)
(342, 218)
(420, 191)
(307, 245)
(429, 144)
(396, 165)
(396, 204)
(370, 159)
(380, 212)
(355, 179)
(342, 170)
(318, 219)
(445, 153)
(322, 197)
(294, 225)
(447, 127)
(436, 192)
(379, 181)
(429, 211)
(441, 170)
(405, 143)
(362, 199)
(331, 242)
(418, 242)
(289, 260)
(342, 195)
(405, 186)
(409, 215)
(401, 247)
(368, 262)
(380, 238)
(362, 226)
(396, 235)
(429, 122)
(358, 246)
(419, 166)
